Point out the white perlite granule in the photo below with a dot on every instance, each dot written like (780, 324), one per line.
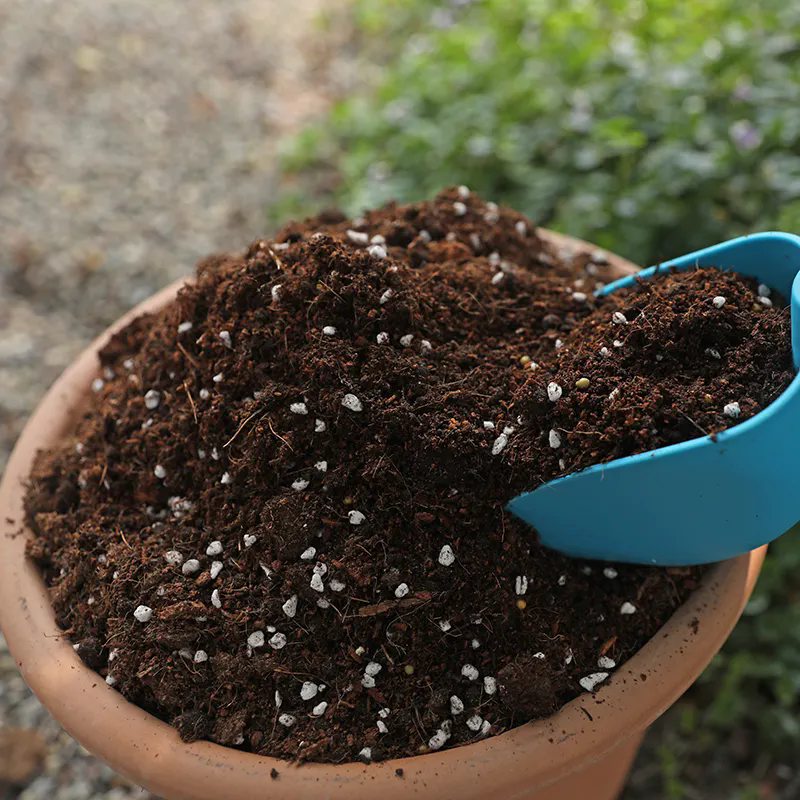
(350, 401)
(308, 690)
(377, 250)
(732, 410)
(499, 444)
(290, 606)
(278, 641)
(590, 682)
(438, 740)
(143, 613)
(554, 392)
(190, 567)
(474, 723)
(446, 556)
(357, 237)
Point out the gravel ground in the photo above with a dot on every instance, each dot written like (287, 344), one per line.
(66, 771)
(134, 139)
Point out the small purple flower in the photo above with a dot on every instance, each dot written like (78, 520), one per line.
(743, 90)
(745, 135)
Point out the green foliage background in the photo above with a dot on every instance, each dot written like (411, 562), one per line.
(629, 123)
(650, 128)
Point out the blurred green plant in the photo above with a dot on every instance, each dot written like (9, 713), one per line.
(670, 774)
(651, 128)
(735, 733)
(754, 683)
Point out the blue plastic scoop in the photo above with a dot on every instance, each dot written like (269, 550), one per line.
(702, 500)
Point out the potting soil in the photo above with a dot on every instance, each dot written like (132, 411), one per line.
(279, 524)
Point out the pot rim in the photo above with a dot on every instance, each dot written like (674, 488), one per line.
(150, 752)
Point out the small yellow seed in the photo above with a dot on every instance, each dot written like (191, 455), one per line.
(521, 605)
(409, 669)
(525, 360)
(348, 501)
(757, 306)
(582, 383)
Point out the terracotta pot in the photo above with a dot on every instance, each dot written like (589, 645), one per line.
(585, 750)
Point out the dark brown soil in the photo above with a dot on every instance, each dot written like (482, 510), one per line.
(677, 363)
(352, 509)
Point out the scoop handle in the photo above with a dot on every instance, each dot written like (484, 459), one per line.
(795, 308)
